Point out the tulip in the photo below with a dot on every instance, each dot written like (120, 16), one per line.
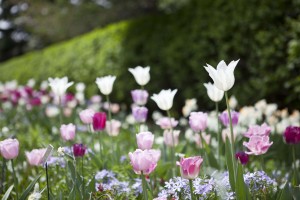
(113, 127)
(99, 121)
(67, 132)
(168, 138)
(79, 150)
(291, 135)
(242, 157)
(190, 167)
(139, 97)
(223, 76)
(86, 116)
(139, 113)
(166, 123)
(144, 140)
(213, 92)
(105, 84)
(143, 161)
(258, 145)
(141, 75)
(9, 148)
(59, 85)
(256, 130)
(198, 121)
(34, 157)
(225, 118)
(164, 99)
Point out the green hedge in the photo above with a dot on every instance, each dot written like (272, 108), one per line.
(264, 35)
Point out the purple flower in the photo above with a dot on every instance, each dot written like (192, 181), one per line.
(256, 130)
(139, 113)
(242, 157)
(139, 97)
(291, 135)
(225, 118)
(79, 150)
(167, 123)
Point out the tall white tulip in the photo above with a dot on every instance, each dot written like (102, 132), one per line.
(164, 99)
(59, 86)
(213, 92)
(223, 76)
(105, 84)
(141, 75)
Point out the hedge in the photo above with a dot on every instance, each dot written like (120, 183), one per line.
(264, 35)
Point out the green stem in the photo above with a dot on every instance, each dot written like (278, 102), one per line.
(295, 170)
(47, 179)
(231, 132)
(173, 145)
(145, 195)
(262, 163)
(218, 133)
(82, 173)
(108, 109)
(15, 178)
(60, 110)
(192, 190)
(3, 175)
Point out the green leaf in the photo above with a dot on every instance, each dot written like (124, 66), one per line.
(212, 159)
(29, 188)
(284, 193)
(242, 191)
(230, 164)
(7, 193)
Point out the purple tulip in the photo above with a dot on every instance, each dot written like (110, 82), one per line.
(99, 121)
(291, 135)
(242, 157)
(79, 150)
(139, 113)
(225, 118)
(139, 97)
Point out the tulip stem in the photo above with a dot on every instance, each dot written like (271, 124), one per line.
(192, 190)
(3, 175)
(15, 178)
(145, 195)
(47, 178)
(295, 178)
(108, 109)
(60, 110)
(82, 173)
(173, 145)
(219, 133)
(262, 163)
(231, 132)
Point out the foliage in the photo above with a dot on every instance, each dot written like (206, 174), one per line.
(178, 45)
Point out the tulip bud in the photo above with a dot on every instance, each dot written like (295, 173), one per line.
(34, 157)
(86, 116)
(224, 117)
(242, 157)
(144, 140)
(139, 113)
(190, 167)
(79, 150)
(105, 84)
(9, 148)
(139, 97)
(164, 99)
(291, 135)
(99, 121)
(198, 121)
(141, 75)
(67, 132)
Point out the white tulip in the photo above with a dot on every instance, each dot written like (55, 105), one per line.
(223, 76)
(213, 92)
(164, 99)
(59, 86)
(105, 84)
(141, 75)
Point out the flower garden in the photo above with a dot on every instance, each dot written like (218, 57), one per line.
(61, 145)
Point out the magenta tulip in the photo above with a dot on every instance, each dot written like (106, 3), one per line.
(242, 157)
(79, 150)
(67, 132)
(34, 157)
(9, 148)
(190, 167)
(86, 116)
(99, 121)
(258, 145)
(198, 121)
(291, 135)
(143, 161)
(144, 140)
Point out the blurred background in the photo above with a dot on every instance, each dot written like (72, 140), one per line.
(85, 39)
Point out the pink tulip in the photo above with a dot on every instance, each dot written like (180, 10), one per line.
(190, 167)
(86, 116)
(258, 145)
(143, 161)
(67, 132)
(144, 140)
(168, 137)
(9, 148)
(166, 123)
(113, 127)
(198, 121)
(34, 157)
(256, 130)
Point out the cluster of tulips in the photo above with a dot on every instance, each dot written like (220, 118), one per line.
(145, 159)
